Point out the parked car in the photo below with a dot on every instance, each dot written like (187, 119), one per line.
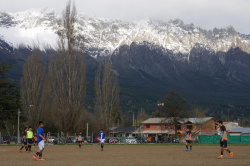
(20, 140)
(5, 138)
(142, 139)
(174, 139)
(51, 139)
(88, 139)
(71, 139)
(113, 140)
(131, 140)
(166, 139)
(55, 141)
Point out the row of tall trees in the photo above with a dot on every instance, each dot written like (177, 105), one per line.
(57, 90)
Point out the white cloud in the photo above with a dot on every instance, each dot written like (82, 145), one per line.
(204, 13)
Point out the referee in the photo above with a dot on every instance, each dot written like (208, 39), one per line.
(30, 138)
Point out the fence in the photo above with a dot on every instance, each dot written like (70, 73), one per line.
(239, 139)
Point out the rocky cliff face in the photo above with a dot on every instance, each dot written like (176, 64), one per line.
(150, 55)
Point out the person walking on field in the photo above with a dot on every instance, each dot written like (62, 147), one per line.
(188, 139)
(102, 137)
(79, 138)
(30, 138)
(223, 140)
(40, 141)
(24, 140)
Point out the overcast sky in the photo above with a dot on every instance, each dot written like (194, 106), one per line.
(204, 13)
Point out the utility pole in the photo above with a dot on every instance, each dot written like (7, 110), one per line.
(133, 118)
(135, 127)
(18, 132)
(113, 129)
(87, 130)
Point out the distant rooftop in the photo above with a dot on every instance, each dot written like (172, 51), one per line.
(184, 120)
(240, 130)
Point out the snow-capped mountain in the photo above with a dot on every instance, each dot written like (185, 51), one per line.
(103, 36)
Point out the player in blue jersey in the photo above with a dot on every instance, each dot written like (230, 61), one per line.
(102, 138)
(40, 141)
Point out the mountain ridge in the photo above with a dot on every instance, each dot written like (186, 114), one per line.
(105, 35)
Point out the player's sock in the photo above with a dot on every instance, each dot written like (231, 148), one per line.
(190, 147)
(186, 146)
(21, 147)
(26, 148)
(102, 146)
(29, 147)
(221, 153)
(228, 151)
(40, 156)
(37, 154)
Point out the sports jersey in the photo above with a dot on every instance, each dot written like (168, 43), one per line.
(29, 134)
(39, 131)
(102, 135)
(188, 135)
(223, 133)
(80, 138)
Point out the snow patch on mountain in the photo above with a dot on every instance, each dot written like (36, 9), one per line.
(103, 36)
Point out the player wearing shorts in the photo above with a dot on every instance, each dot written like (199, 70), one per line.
(188, 139)
(79, 138)
(35, 139)
(223, 141)
(40, 141)
(30, 138)
(102, 138)
(24, 140)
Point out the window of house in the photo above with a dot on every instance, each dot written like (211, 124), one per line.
(147, 126)
(157, 126)
(178, 127)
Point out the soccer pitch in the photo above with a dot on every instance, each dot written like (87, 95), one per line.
(125, 155)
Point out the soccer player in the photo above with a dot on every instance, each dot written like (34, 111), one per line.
(80, 139)
(24, 140)
(188, 139)
(30, 137)
(223, 140)
(102, 137)
(40, 141)
(35, 139)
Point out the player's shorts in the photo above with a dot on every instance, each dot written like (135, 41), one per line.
(25, 143)
(102, 141)
(41, 145)
(79, 142)
(188, 141)
(223, 143)
(30, 141)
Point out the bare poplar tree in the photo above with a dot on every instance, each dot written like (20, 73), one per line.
(142, 116)
(107, 95)
(32, 84)
(67, 72)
